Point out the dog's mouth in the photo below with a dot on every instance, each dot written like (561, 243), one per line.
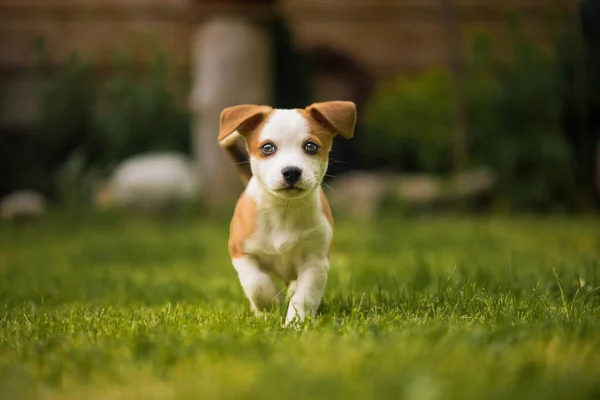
(290, 189)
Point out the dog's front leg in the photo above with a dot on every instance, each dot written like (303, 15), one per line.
(258, 286)
(310, 286)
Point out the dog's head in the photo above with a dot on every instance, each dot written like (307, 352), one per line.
(289, 149)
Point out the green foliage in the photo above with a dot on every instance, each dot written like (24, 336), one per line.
(74, 181)
(409, 124)
(417, 309)
(86, 125)
(515, 123)
(140, 112)
(514, 106)
(65, 107)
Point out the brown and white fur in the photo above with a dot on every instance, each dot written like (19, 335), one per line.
(282, 225)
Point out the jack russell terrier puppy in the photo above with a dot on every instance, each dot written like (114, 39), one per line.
(282, 224)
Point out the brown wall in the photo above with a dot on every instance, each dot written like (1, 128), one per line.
(92, 28)
(392, 35)
(383, 35)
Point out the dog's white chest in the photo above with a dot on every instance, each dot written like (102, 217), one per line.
(282, 245)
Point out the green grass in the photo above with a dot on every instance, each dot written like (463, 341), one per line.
(441, 308)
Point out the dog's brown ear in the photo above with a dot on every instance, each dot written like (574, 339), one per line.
(243, 118)
(338, 117)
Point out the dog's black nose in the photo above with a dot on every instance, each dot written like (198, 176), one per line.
(291, 174)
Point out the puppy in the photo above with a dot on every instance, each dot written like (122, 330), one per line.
(282, 224)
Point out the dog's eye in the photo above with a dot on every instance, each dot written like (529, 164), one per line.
(267, 148)
(311, 147)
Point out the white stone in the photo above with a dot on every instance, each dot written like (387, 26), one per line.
(472, 183)
(151, 181)
(419, 188)
(359, 193)
(22, 203)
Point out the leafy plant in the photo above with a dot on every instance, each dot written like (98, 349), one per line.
(515, 116)
(84, 126)
(65, 114)
(514, 104)
(75, 181)
(140, 112)
(409, 124)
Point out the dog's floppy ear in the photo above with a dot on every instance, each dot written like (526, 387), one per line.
(243, 118)
(338, 117)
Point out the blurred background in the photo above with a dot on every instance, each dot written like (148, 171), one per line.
(470, 105)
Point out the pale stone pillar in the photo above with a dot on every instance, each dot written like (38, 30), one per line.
(231, 64)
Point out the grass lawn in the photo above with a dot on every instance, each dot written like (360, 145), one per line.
(439, 308)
